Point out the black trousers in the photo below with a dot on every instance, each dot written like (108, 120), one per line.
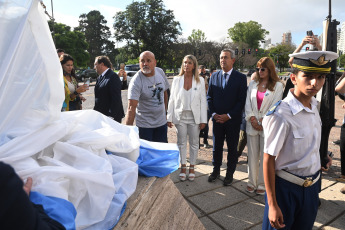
(342, 149)
(228, 131)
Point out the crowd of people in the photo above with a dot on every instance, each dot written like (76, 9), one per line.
(266, 115)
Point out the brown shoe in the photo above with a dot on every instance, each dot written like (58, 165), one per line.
(342, 190)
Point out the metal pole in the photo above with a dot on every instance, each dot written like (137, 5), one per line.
(328, 98)
(330, 10)
(53, 21)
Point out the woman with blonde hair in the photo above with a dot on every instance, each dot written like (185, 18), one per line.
(263, 92)
(187, 109)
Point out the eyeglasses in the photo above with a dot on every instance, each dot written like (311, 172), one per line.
(262, 69)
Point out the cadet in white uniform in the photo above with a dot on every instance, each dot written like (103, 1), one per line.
(292, 132)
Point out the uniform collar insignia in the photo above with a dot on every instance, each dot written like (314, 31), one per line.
(320, 61)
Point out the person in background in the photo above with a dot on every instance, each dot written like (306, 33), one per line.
(122, 73)
(226, 97)
(187, 109)
(60, 52)
(148, 100)
(204, 132)
(292, 130)
(242, 141)
(340, 89)
(73, 97)
(108, 100)
(263, 92)
(307, 40)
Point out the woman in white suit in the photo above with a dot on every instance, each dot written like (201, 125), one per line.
(263, 92)
(187, 109)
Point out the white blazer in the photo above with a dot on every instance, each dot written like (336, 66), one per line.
(198, 102)
(251, 106)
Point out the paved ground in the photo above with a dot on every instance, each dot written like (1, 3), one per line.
(231, 207)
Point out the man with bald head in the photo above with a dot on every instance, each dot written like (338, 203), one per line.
(147, 100)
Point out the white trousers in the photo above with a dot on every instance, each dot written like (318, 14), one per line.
(255, 146)
(192, 131)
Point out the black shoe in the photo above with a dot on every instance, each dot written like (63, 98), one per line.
(206, 145)
(214, 175)
(337, 142)
(228, 179)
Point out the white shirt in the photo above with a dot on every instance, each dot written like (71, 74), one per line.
(186, 99)
(104, 72)
(293, 135)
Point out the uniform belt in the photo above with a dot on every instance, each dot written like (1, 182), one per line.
(307, 182)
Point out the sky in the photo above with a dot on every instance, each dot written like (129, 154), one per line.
(215, 17)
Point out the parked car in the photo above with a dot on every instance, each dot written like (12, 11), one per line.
(131, 70)
(88, 73)
(250, 72)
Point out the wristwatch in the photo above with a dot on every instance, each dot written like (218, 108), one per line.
(75, 93)
(259, 123)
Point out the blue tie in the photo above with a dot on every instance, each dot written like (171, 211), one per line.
(224, 80)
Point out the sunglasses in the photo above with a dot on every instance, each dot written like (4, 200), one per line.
(262, 69)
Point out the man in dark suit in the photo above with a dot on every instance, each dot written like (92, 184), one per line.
(108, 90)
(226, 97)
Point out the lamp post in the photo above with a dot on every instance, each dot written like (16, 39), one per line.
(327, 96)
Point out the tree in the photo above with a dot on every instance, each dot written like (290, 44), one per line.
(248, 32)
(342, 61)
(280, 54)
(97, 34)
(73, 42)
(147, 26)
(197, 40)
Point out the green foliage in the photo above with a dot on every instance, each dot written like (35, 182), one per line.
(97, 34)
(147, 25)
(342, 61)
(132, 61)
(197, 38)
(250, 33)
(281, 53)
(73, 42)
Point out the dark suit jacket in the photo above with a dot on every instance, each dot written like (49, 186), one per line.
(231, 99)
(108, 96)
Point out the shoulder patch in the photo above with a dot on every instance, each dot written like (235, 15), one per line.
(273, 108)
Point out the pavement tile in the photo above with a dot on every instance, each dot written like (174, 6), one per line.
(197, 211)
(337, 224)
(333, 194)
(208, 167)
(199, 185)
(240, 173)
(326, 182)
(240, 216)
(327, 212)
(259, 198)
(209, 224)
(218, 199)
(175, 176)
(241, 186)
(257, 227)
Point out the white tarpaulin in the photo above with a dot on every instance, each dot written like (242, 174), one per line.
(64, 153)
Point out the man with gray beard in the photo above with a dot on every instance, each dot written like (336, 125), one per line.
(148, 100)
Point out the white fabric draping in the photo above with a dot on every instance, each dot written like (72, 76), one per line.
(64, 153)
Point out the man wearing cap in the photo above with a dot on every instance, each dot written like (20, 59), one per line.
(291, 153)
